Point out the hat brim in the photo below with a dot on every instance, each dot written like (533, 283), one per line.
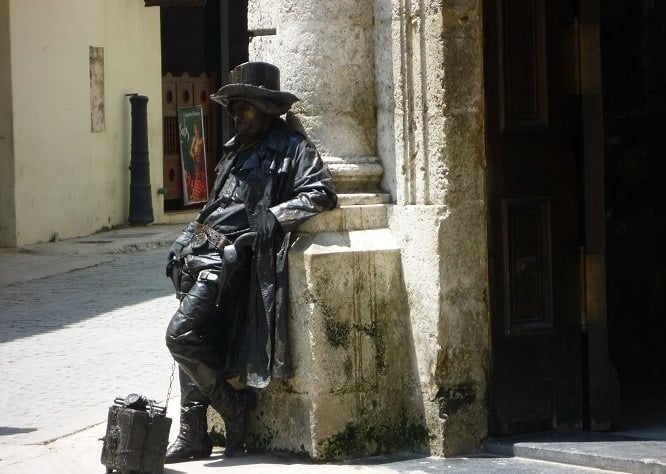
(231, 92)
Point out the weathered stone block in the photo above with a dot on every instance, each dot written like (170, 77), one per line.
(351, 347)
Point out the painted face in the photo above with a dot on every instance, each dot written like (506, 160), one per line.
(249, 122)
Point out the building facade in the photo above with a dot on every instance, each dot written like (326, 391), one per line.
(459, 289)
(65, 140)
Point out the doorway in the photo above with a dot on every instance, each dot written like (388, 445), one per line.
(553, 365)
(199, 44)
(634, 74)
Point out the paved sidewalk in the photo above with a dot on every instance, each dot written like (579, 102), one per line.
(52, 258)
(82, 321)
(80, 454)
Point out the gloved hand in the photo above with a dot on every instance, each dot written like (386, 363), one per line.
(174, 273)
(173, 258)
(181, 242)
(169, 267)
(175, 251)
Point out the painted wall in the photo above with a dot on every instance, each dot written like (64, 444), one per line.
(70, 181)
(7, 214)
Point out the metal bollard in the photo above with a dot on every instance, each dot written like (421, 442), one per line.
(140, 203)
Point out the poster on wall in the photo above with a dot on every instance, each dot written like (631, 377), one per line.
(193, 155)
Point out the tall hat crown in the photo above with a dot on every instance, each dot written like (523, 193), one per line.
(255, 80)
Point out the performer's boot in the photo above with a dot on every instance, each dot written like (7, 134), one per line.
(234, 407)
(193, 441)
(236, 426)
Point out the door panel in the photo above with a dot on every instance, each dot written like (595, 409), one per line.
(528, 301)
(524, 98)
(535, 230)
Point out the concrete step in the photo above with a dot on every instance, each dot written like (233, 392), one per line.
(583, 448)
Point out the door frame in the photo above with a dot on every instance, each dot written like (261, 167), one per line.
(599, 393)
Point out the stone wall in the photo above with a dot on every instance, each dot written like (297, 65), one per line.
(437, 176)
(393, 85)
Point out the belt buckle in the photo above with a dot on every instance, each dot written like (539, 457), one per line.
(199, 238)
(213, 237)
(216, 239)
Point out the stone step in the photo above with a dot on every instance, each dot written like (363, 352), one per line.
(355, 173)
(357, 199)
(348, 218)
(583, 448)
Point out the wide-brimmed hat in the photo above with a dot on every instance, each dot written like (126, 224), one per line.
(256, 81)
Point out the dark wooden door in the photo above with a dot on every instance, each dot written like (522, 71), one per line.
(535, 216)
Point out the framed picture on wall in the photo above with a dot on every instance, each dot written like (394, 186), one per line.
(193, 155)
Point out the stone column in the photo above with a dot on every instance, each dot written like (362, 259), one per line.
(325, 52)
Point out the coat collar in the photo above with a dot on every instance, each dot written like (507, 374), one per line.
(276, 139)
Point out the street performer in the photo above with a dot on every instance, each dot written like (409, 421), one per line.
(232, 317)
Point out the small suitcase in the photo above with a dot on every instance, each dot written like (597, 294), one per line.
(137, 435)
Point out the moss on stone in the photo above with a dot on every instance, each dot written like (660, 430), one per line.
(264, 441)
(363, 438)
(338, 335)
(337, 332)
(287, 387)
(375, 332)
(453, 398)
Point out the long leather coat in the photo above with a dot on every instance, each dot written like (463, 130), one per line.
(294, 186)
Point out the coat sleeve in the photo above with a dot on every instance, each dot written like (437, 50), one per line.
(312, 191)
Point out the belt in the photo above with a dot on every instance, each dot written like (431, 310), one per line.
(204, 234)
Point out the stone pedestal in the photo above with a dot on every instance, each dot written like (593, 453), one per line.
(351, 347)
(355, 390)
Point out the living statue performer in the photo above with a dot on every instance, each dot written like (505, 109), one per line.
(232, 315)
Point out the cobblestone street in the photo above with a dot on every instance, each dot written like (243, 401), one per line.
(71, 343)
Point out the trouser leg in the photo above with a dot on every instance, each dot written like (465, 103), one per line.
(192, 336)
(190, 395)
